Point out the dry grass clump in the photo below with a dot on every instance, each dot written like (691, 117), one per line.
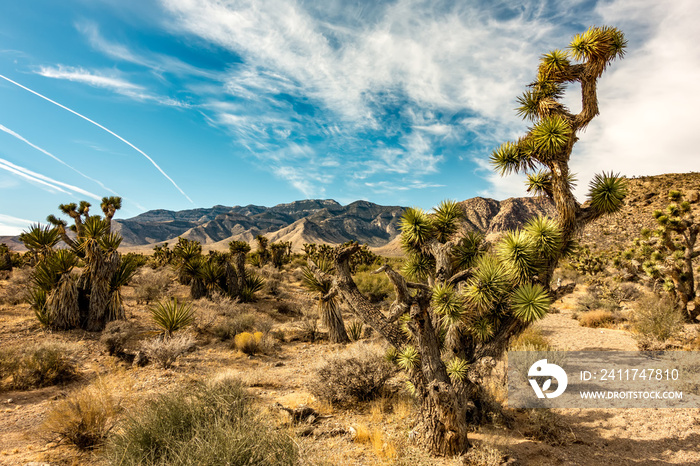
(165, 351)
(116, 335)
(14, 290)
(531, 339)
(86, 416)
(656, 320)
(248, 343)
(483, 454)
(200, 424)
(152, 284)
(543, 425)
(597, 319)
(358, 373)
(37, 366)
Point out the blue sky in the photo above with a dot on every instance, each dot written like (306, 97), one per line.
(178, 104)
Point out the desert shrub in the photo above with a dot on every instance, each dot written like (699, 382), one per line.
(115, 336)
(354, 328)
(150, 285)
(543, 425)
(376, 287)
(308, 329)
(597, 319)
(232, 326)
(358, 373)
(531, 339)
(287, 308)
(14, 290)
(138, 259)
(166, 350)
(656, 319)
(483, 454)
(172, 316)
(85, 417)
(248, 343)
(200, 424)
(37, 366)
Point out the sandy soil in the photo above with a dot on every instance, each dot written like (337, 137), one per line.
(590, 437)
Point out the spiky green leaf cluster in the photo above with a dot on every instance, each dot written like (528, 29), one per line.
(600, 45)
(489, 284)
(469, 247)
(408, 358)
(172, 316)
(530, 302)
(457, 369)
(607, 192)
(551, 134)
(445, 220)
(539, 183)
(447, 304)
(545, 235)
(516, 250)
(416, 229)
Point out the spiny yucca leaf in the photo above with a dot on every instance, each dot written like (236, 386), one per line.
(551, 135)
(40, 237)
(457, 369)
(172, 316)
(444, 219)
(607, 191)
(530, 302)
(418, 266)
(447, 304)
(489, 283)
(408, 358)
(601, 44)
(111, 241)
(94, 228)
(545, 234)
(529, 108)
(540, 183)
(416, 227)
(553, 65)
(211, 273)
(673, 210)
(239, 247)
(508, 158)
(481, 328)
(516, 250)
(467, 250)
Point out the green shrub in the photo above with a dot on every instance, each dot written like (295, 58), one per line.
(656, 319)
(232, 326)
(37, 366)
(172, 316)
(376, 287)
(359, 373)
(354, 328)
(200, 424)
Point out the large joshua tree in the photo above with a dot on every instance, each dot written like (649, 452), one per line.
(456, 303)
(91, 299)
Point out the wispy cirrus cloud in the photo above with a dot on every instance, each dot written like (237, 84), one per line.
(107, 81)
(10, 225)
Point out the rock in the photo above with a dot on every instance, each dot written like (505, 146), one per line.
(694, 197)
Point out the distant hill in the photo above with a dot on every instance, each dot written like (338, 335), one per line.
(327, 221)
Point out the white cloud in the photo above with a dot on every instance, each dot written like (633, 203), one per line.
(11, 226)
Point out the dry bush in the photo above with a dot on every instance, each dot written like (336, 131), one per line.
(543, 425)
(253, 343)
(85, 417)
(288, 308)
(531, 339)
(656, 320)
(152, 284)
(165, 351)
(200, 424)
(358, 373)
(376, 287)
(483, 454)
(598, 319)
(37, 366)
(354, 329)
(116, 335)
(14, 290)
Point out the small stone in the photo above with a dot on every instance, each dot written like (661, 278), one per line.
(9, 400)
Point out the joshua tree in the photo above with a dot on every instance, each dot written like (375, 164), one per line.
(669, 251)
(328, 302)
(263, 252)
(40, 241)
(235, 277)
(186, 251)
(92, 299)
(109, 206)
(456, 304)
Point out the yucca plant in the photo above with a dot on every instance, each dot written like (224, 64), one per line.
(40, 240)
(172, 316)
(251, 285)
(460, 300)
(328, 304)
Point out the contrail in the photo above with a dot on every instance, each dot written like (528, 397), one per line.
(103, 128)
(12, 133)
(45, 180)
